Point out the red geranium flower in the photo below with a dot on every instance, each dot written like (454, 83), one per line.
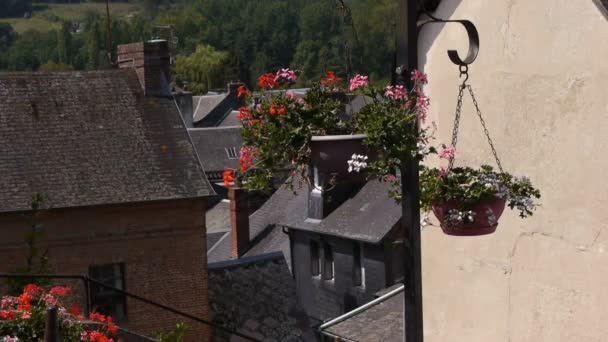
(244, 114)
(228, 177)
(33, 290)
(282, 110)
(60, 291)
(267, 81)
(330, 79)
(112, 327)
(273, 109)
(242, 90)
(8, 315)
(24, 302)
(94, 316)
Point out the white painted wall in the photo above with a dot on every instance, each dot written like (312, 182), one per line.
(541, 79)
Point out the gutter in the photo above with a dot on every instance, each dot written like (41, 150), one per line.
(361, 308)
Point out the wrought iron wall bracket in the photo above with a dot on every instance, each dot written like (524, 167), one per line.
(471, 32)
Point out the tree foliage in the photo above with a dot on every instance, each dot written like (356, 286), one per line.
(312, 36)
(201, 70)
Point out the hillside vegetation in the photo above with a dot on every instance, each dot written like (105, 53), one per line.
(216, 40)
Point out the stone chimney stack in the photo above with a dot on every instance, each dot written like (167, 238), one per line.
(152, 62)
(239, 221)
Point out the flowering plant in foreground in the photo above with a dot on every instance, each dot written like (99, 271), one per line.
(23, 318)
(468, 187)
(277, 130)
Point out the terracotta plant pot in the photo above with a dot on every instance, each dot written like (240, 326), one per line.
(483, 223)
(330, 153)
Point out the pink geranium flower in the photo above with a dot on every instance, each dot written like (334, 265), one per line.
(286, 75)
(396, 92)
(448, 152)
(419, 77)
(358, 81)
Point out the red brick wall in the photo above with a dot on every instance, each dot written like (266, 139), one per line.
(162, 245)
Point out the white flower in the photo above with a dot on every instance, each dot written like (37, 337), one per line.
(357, 162)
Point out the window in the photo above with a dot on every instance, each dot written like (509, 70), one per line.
(231, 152)
(315, 261)
(358, 271)
(328, 262)
(104, 300)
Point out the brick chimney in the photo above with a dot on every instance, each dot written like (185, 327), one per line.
(152, 62)
(239, 221)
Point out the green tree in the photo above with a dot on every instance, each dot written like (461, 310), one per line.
(64, 43)
(36, 260)
(202, 70)
(92, 46)
(53, 67)
(31, 49)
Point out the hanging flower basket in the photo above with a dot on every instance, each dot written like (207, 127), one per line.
(481, 220)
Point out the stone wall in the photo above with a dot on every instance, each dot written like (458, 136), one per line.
(161, 244)
(541, 80)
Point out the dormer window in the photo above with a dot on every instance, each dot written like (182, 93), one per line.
(232, 153)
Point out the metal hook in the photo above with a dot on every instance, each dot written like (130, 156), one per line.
(464, 70)
(473, 40)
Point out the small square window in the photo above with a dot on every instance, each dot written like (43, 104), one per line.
(104, 300)
(232, 153)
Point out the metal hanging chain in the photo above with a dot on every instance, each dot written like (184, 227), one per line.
(485, 129)
(464, 72)
(457, 121)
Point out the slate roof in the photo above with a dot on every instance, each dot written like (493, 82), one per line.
(203, 105)
(218, 217)
(213, 110)
(382, 321)
(91, 138)
(211, 145)
(367, 216)
(265, 236)
(257, 297)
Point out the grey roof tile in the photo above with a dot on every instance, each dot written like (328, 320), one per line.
(380, 322)
(368, 216)
(265, 236)
(257, 297)
(91, 138)
(212, 144)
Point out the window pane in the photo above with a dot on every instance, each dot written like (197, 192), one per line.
(315, 262)
(105, 300)
(356, 264)
(328, 264)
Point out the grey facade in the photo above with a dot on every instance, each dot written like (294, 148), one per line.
(339, 262)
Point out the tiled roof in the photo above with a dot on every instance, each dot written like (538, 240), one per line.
(367, 216)
(257, 297)
(91, 138)
(265, 236)
(382, 321)
(212, 145)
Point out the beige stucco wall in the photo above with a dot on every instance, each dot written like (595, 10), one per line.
(541, 79)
